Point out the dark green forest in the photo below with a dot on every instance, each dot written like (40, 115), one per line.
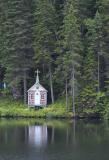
(67, 40)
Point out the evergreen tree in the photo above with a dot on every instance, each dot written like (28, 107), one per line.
(93, 63)
(70, 40)
(71, 46)
(46, 37)
(18, 52)
(103, 9)
(95, 46)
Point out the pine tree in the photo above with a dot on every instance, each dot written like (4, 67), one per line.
(93, 62)
(103, 9)
(95, 39)
(18, 52)
(71, 46)
(45, 37)
(87, 8)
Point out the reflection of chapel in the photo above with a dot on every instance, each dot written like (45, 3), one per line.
(37, 94)
(38, 135)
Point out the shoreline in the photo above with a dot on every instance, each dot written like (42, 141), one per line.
(16, 109)
(68, 116)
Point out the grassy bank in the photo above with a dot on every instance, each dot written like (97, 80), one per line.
(11, 108)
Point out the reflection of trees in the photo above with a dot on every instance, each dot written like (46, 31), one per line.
(91, 131)
(79, 132)
(12, 135)
(17, 134)
(51, 134)
(58, 134)
(73, 134)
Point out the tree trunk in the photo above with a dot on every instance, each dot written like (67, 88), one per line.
(66, 88)
(25, 87)
(15, 90)
(73, 89)
(98, 72)
(51, 85)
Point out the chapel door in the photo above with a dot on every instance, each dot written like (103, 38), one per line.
(37, 98)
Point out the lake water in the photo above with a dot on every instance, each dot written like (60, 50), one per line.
(54, 140)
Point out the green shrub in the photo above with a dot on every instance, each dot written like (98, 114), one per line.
(11, 108)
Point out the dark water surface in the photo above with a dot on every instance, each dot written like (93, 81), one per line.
(53, 140)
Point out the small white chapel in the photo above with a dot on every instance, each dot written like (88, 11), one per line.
(37, 94)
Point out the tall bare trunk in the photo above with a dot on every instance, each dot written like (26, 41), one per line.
(51, 84)
(66, 88)
(73, 89)
(25, 87)
(98, 72)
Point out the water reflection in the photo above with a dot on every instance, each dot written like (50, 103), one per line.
(17, 132)
(53, 140)
(41, 135)
(37, 135)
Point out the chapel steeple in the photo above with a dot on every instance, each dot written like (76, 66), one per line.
(37, 77)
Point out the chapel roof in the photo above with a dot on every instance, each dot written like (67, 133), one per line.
(37, 85)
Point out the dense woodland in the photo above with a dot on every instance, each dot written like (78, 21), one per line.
(67, 40)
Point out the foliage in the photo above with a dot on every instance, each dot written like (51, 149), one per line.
(18, 39)
(67, 41)
(91, 102)
(5, 92)
(11, 108)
